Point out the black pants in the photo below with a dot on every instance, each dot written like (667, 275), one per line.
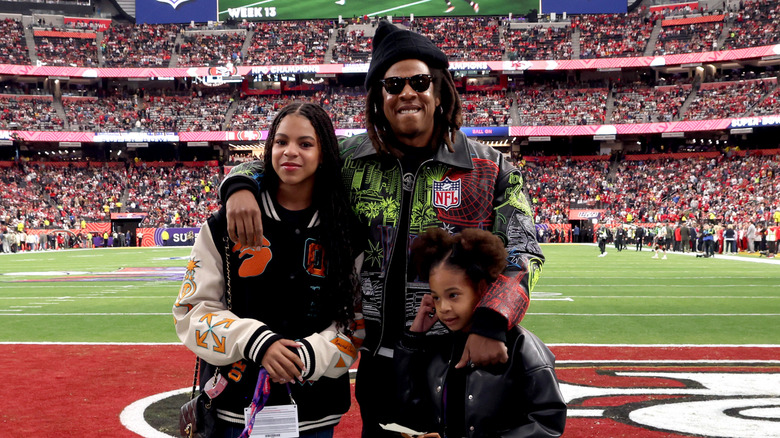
(709, 248)
(375, 391)
(602, 245)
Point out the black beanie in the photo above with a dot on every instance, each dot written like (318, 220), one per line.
(392, 44)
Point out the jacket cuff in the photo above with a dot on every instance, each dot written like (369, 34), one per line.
(411, 341)
(259, 343)
(234, 186)
(308, 357)
(489, 323)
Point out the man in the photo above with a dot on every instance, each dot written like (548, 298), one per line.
(661, 240)
(412, 170)
(640, 237)
(685, 237)
(751, 237)
(603, 234)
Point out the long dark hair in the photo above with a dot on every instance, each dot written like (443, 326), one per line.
(446, 122)
(330, 199)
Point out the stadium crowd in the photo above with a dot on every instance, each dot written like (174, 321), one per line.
(476, 38)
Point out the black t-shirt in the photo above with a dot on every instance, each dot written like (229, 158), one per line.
(397, 274)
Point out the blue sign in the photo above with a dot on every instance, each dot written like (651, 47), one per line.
(175, 11)
(487, 131)
(584, 7)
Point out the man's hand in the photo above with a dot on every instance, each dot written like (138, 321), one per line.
(426, 316)
(282, 364)
(244, 219)
(481, 351)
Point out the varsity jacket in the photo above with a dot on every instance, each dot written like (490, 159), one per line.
(276, 292)
(519, 399)
(472, 187)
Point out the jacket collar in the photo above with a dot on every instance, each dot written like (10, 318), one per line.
(460, 158)
(269, 206)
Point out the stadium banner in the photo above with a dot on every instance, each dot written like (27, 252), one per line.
(128, 216)
(672, 6)
(581, 7)
(175, 11)
(176, 236)
(499, 131)
(585, 214)
(752, 122)
(252, 10)
(99, 24)
(135, 137)
(505, 66)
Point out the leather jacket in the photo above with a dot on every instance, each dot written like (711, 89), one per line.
(518, 399)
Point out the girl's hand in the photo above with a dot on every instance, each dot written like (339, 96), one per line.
(282, 364)
(426, 315)
(244, 219)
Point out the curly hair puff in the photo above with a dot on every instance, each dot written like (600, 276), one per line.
(479, 253)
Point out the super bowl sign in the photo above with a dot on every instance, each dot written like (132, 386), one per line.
(175, 11)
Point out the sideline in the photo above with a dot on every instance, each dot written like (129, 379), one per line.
(772, 261)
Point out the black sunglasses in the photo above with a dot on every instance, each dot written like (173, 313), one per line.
(395, 84)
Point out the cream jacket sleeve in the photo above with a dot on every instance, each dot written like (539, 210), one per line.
(218, 336)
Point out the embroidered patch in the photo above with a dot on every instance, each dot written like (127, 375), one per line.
(446, 193)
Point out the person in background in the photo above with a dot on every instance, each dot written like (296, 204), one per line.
(519, 399)
(283, 310)
(412, 170)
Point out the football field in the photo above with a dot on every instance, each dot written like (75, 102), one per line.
(322, 9)
(125, 295)
(645, 348)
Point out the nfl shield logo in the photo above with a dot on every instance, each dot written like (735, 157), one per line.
(446, 193)
(174, 3)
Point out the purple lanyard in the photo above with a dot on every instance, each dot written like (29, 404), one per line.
(262, 391)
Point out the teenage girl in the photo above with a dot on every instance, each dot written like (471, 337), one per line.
(290, 306)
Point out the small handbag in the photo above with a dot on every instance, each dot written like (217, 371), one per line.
(197, 418)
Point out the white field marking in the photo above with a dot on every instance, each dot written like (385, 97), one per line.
(130, 344)
(247, 6)
(684, 297)
(72, 286)
(668, 361)
(25, 307)
(605, 277)
(580, 413)
(132, 416)
(398, 7)
(659, 284)
(548, 344)
(10, 310)
(549, 296)
(653, 314)
(92, 297)
(94, 314)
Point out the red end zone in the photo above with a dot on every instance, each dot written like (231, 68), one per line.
(613, 391)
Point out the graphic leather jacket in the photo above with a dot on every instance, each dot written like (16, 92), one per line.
(474, 187)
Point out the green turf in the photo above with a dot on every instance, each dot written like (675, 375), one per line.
(319, 9)
(623, 298)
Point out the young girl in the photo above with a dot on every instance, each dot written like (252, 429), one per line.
(520, 398)
(285, 306)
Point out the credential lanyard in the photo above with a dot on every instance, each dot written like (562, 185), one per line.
(259, 399)
(262, 391)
